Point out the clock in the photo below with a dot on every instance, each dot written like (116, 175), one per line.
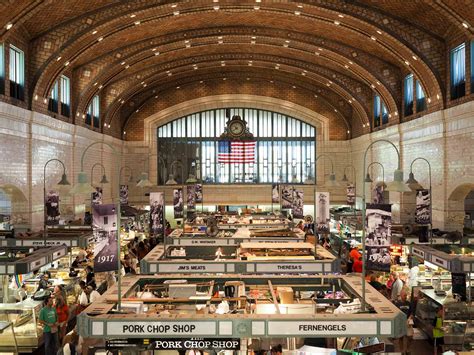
(236, 128)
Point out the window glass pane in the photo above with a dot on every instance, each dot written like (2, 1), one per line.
(251, 118)
(279, 162)
(458, 71)
(265, 124)
(420, 98)
(2, 62)
(220, 121)
(65, 90)
(377, 111)
(384, 114)
(408, 90)
(472, 66)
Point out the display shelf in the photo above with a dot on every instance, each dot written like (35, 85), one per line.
(448, 257)
(198, 259)
(262, 315)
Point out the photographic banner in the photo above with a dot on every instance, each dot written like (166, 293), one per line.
(423, 204)
(104, 225)
(157, 213)
(124, 194)
(191, 197)
(96, 197)
(198, 193)
(378, 236)
(178, 203)
(378, 194)
(350, 194)
(322, 212)
(298, 203)
(275, 193)
(51, 209)
(286, 196)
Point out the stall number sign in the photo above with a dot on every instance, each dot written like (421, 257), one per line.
(160, 328)
(323, 328)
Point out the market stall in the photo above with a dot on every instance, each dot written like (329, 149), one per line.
(247, 258)
(240, 307)
(72, 238)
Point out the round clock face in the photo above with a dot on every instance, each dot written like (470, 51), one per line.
(236, 128)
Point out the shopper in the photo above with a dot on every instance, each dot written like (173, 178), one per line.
(374, 282)
(406, 307)
(44, 282)
(438, 333)
(90, 277)
(59, 291)
(62, 311)
(142, 251)
(358, 265)
(93, 294)
(21, 294)
(48, 318)
(397, 286)
(127, 265)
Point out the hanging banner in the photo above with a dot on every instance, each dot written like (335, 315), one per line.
(51, 209)
(350, 195)
(157, 213)
(124, 194)
(178, 204)
(198, 193)
(378, 194)
(378, 236)
(286, 196)
(104, 225)
(423, 204)
(275, 193)
(191, 197)
(96, 197)
(322, 211)
(298, 203)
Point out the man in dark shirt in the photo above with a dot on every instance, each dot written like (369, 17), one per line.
(406, 307)
(375, 283)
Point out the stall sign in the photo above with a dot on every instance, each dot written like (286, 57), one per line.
(37, 243)
(396, 250)
(322, 328)
(192, 267)
(440, 262)
(196, 344)
(141, 329)
(289, 267)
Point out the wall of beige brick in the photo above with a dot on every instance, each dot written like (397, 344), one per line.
(28, 140)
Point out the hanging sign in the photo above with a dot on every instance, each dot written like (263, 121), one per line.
(297, 204)
(178, 206)
(378, 237)
(275, 193)
(423, 204)
(191, 197)
(96, 196)
(157, 216)
(150, 328)
(199, 193)
(174, 344)
(104, 224)
(124, 194)
(378, 194)
(51, 208)
(322, 211)
(350, 194)
(286, 196)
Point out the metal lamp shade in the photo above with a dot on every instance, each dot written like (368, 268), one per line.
(368, 178)
(144, 182)
(191, 179)
(64, 180)
(82, 186)
(397, 184)
(411, 179)
(344, 178)
(104, 180)
(171, 180)
(332, 181)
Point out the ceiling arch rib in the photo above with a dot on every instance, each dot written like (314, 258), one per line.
(376, 41)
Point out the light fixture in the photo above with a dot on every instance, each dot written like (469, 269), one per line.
(104, 180)
(397, 184)
(9, 25)
(411, 179)
(171, 180)
(465, 25)
(344, 178)
(82, 186)
(368, 178)
(144, 182)
(191, 179)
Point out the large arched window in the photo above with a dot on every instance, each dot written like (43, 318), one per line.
(285, 148)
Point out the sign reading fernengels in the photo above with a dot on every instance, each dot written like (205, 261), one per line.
(150, 329)
(211, 267)
(322, 327)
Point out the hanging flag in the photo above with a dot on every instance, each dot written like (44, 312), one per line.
(231, 152)
(423, 203)
(378, 219)
(178, 204)
(104, 226)
(191, 198)
(286, 196)
(298, 203)
(96, 198)
(157, 209)
(275, 193)
(124, 194)
(51, 209)
(322, 211)
(198, 193)
(350, 194)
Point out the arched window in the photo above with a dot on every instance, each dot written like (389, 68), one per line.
(380, 112)
(93, 114)
(284, 151)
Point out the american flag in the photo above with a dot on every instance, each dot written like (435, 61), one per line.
(230, 152)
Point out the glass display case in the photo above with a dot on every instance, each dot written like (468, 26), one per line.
(458, 325)
(27, 334)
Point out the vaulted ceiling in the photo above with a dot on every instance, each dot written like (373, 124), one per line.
(338, 53)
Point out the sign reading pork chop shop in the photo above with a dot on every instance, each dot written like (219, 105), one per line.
(196, 344)
(150, 329)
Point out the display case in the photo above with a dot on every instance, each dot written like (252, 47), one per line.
(24, 319)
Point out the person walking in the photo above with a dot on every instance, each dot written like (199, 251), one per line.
(48, 318)
(397, 286)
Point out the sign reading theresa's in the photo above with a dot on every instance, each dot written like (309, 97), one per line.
(197, 343)
(290, 267)
(161, 328)
(322, 328)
